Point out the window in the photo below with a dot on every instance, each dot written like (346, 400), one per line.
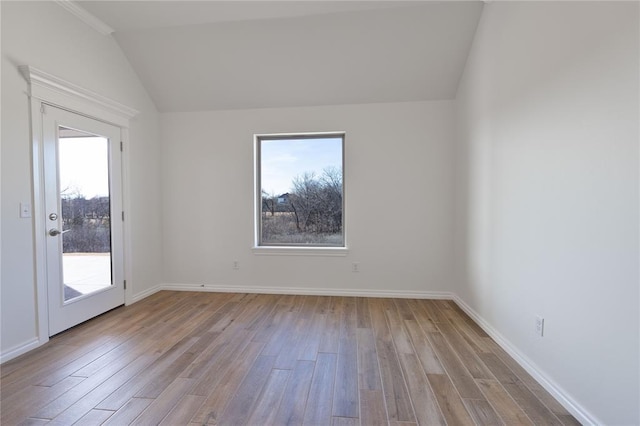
(299, 190)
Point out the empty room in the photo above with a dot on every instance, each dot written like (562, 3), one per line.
(320, 212)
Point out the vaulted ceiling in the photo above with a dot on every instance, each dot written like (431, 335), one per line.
(211, 55)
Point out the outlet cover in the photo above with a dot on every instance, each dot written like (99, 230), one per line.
(539, 326)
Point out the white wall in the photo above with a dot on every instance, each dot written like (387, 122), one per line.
(398, 178)
(547, 202)
(44, 35)
(547, 188)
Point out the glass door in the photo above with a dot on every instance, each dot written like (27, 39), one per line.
(83, 162)
(82, 172)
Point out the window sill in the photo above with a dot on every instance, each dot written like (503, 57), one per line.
(300, 251)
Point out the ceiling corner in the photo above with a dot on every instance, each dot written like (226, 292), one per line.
(86, 17)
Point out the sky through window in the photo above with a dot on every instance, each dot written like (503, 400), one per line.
(284, 159)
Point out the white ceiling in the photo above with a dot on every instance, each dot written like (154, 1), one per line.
(140, 14)
(211, 55)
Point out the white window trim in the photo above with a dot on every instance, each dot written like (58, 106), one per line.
(300, 251)
(277, 250)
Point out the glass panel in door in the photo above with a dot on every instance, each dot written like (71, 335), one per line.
(83, 164)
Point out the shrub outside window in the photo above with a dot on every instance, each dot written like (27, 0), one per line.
(299, 190)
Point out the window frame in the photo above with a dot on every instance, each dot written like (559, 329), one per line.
(297, 249)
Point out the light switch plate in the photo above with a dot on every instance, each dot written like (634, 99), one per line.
(25, 210)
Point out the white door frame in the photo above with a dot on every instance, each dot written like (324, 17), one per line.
(67, 312)
(47, 89)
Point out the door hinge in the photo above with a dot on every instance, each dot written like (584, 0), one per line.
(42, 109)
(121, 146)
(123, 216)
(125, 284)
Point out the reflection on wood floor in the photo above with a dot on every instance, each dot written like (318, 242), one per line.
(180, 358)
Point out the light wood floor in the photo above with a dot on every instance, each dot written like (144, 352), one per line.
(180, 358)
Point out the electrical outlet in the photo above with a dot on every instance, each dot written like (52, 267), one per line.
(355, 267)
(539, 326)
(236, 265)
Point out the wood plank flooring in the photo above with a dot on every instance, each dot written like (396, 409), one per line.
(181, 358)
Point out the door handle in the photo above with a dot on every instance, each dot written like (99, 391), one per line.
(54, 232)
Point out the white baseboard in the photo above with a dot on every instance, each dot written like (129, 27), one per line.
(578, 411)
(144, 294)
(308, 291)
(19, 350)
(581, 414)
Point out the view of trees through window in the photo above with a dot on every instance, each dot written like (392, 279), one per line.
(88, 224)
(84, 192)
(301, 184)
